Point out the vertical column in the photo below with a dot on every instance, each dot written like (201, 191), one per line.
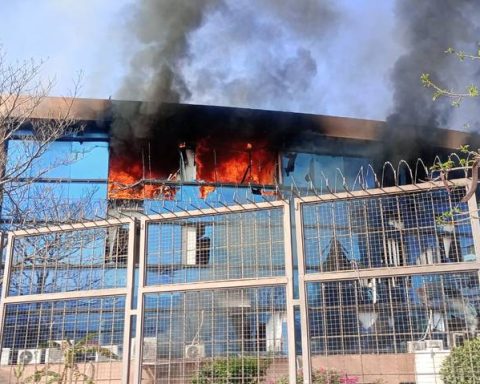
(137, 377)
(5, 283)
(292, 370)
(129, 310)
(474, 222)
(307, 369)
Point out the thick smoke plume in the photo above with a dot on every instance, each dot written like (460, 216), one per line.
(314, 56)
(427, 29)
(170, 34)
(176, 62)
(162, 29)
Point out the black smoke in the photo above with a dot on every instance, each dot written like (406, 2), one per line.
(427, 29)
(161, 69)
(162, 29)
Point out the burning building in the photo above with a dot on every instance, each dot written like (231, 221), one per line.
(211, 235)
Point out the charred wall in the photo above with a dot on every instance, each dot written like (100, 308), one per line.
(241, 146)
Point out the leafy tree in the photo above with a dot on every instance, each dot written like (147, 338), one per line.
(463, 364)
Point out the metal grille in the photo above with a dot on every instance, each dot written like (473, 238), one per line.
(216, 247)
(382, 315)
(222, 335)
(67, 261)
(422, 228)
(79, 338)
(388, 284)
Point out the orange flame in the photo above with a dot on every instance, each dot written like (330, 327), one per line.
(125, 181)
(217, 161)
(240, 163)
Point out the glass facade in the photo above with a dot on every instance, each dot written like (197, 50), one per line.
(66, 180)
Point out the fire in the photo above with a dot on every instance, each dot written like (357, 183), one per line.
(242, 162)
(217, 160)
(126, 175)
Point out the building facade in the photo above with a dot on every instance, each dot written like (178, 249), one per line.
(196, 244)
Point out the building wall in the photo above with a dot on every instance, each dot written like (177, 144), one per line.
(364, 274)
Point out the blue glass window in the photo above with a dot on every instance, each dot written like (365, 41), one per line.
(309, 170)
(64, 160)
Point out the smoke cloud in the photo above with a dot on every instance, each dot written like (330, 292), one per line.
(426, 29)
(235, 53)
(162, 29)
(323, 57)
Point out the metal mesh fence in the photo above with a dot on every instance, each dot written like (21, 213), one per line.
(69, 261)
(422, 228)
(216, 247)
(388, 315)
(70, 340)
(356, 320)
(215, 336)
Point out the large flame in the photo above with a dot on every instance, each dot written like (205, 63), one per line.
(237, 162)
(126, 176)
(217, 160)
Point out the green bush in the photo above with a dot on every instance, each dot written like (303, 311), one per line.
(320, 376)
(245, 370)
(463, 364)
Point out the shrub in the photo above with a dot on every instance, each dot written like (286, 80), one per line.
(245, 370)
(324, 376)
(463, 364)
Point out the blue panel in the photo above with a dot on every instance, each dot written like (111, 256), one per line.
(319, 171)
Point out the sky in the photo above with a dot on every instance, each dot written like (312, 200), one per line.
(239, 55)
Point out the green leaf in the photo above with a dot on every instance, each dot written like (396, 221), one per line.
(472, 90)
(425, 79)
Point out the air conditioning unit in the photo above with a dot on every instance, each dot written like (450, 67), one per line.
(53, 355)
(194, 351)
(415, 346)
(114, 349)
(423, 345)
(434, 344)
(5, 356)
(457, 339)
(29, 356)
(149, 352)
